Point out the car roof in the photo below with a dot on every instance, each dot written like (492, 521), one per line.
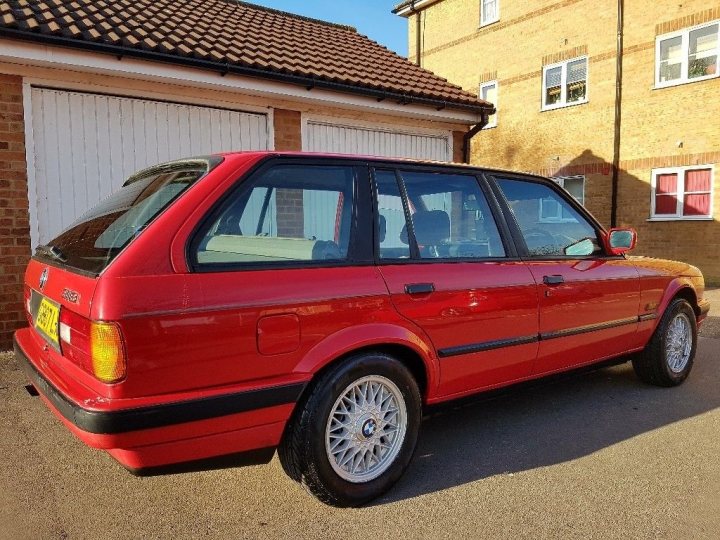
(355, 157)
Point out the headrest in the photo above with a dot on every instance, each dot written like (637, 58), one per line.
(382, 228)
(432, 227)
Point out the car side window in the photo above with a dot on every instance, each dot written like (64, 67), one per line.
(573, 235)
(286, 213)
(450, 217)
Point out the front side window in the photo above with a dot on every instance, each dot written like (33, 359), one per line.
(573, 235)
(688, 55)
(449, 217)
(288, 213)
(682, 193)
(550, 210)
(565, 83)
(489, 11)
(489, 93)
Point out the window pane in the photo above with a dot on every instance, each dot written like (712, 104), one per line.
(451, 217)
(391, 219)
(666, 183)
(529, 203)
(553, 82)
(489, 93)
(697, 204)
(702, 58)
(697, 180)
(289, 213)
(670, 59)
(576, 80)
(666, 205)
(489, 10)
(576, 188)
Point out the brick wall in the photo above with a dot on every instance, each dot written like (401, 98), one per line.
(661, 127)
(14, 220)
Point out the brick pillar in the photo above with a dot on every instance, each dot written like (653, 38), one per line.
(458, 137)
(14, 219)
(289, 202)
(288, 133)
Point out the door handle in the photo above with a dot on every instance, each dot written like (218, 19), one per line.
(419, 288)
(553, 280)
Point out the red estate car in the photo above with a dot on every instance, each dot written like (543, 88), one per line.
(218, 308)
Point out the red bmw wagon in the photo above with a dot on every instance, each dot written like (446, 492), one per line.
(216, 309)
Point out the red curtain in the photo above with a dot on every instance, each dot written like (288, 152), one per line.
(666, 183)
(666, 204)
(697, 204)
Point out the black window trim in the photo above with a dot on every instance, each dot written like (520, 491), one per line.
(492, 178)
(509, 243)
(359, 249)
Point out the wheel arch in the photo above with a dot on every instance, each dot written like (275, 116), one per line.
(680, 288)
(412, 349)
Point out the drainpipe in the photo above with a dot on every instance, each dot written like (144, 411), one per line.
(484, 119)
(618, 113)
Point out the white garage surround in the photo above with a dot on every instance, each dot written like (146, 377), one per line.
(81, 146)
(335, 136)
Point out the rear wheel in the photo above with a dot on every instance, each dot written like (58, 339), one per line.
(668, 358)
(356, 432)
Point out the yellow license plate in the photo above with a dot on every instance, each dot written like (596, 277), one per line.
(47, 319)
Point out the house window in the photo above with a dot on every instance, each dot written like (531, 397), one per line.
(489, 92)
(687, 56)
(489, 11)
(682, 193)
(565, 83)
(552, 211)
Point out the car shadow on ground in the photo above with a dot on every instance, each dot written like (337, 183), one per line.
(551, 423)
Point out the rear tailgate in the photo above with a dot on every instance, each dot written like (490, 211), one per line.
(50, 291)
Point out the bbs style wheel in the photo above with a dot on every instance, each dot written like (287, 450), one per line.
(356, 432)
(668, 358)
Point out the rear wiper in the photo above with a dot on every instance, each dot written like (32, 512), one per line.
(51, 251)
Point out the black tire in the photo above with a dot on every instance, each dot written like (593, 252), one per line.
(303, 453)
(652, 365)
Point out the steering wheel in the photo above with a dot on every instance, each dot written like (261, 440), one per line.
(538, 238)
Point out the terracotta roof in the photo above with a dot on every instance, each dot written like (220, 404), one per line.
(235, 37)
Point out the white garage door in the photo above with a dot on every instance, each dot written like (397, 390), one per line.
(85, 145)
(348, 139)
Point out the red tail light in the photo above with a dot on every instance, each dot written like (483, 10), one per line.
(28, 312)
(97, 347)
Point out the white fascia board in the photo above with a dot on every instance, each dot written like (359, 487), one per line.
(36, 54)
(412, 9)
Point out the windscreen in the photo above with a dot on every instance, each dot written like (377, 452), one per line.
(94, 240)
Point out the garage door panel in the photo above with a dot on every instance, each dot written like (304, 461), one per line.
(347, 139)
(86, 145)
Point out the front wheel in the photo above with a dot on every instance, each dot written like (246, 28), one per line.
(668, 358)
(356, 432)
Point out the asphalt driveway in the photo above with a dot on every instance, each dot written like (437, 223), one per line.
(598, 455)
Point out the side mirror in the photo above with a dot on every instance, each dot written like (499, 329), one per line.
(620, 241)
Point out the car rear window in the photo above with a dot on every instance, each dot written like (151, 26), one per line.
(96, 238)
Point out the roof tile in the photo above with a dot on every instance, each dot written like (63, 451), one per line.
(234, 34)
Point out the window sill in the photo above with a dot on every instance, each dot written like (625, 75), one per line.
(488, 23)
(564, 105)
(680, 218)
(681, 82)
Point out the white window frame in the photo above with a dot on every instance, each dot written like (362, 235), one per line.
(681, 173)
(487, 84)
(563, 84)
(483, 21)
(557, 218)
(684, 58)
